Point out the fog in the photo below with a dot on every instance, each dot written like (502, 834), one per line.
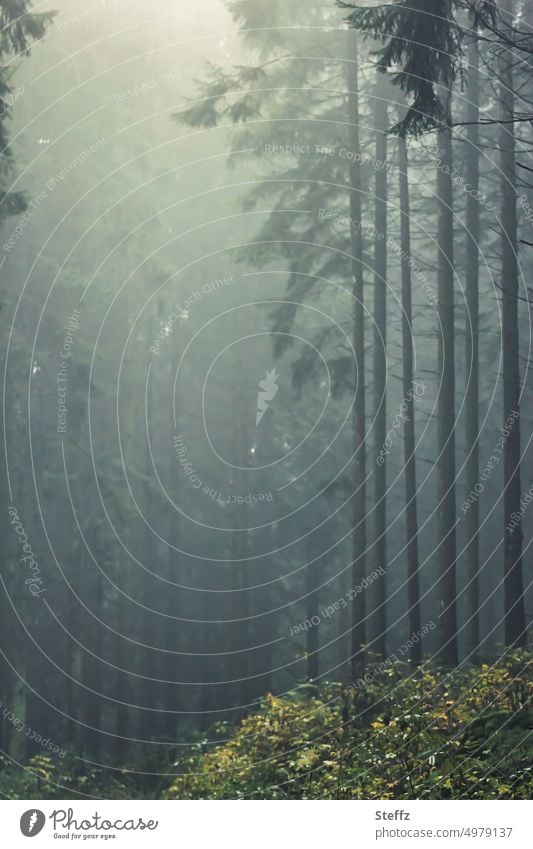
(205, 419)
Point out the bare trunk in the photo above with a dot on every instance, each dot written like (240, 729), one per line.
(471, 628)
(148, 691)
(359, 424)
(92, 665)
(241, 628)
(312, 634)
(411, 517)
(515, 629)
(378, 591)
(447, 552)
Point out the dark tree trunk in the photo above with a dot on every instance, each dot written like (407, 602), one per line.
(446, 543)
(148, 691)
(411, 517)
(515, 627)
(91, 663)
(359, 422)
(312, 634)
(471, 628)
(241, 627)
(378, 590)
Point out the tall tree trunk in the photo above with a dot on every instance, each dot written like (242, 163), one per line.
(378, 591)
(123, 689)
(411, 517)
(471, 628)
(359, 422)
(241, 613)
(447, 553)
(267, 625)
(149, 692)
(343, 634)
(91, 663)
(172, 665)
(126, 716)
(312, 633)
(515, 628)
(6, 558)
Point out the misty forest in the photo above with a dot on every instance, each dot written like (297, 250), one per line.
(266, 322)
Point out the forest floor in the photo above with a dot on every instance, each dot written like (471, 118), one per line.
(434, 734)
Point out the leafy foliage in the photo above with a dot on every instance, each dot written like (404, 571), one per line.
(45, 778)
(460, 735)
(18, 29)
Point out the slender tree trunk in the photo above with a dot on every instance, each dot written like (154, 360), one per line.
(515, 627)
(267, 625)
(16, 746)
(123, 689)
(174, 665)
(241, 628)
(359, 423)
(379, 620)
(411, 517)
(245, 667)
(72, 662)
(126, 717)
(312, 634)
(91, 664)
(343, 638)
(149, 692)
(6, 617)
(446, 542)
(471, 629)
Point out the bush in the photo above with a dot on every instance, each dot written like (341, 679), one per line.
(428, 735)
(434, 734)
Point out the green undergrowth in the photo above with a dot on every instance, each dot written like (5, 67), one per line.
(432, 734)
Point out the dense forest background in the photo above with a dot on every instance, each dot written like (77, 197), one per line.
(266, 341)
